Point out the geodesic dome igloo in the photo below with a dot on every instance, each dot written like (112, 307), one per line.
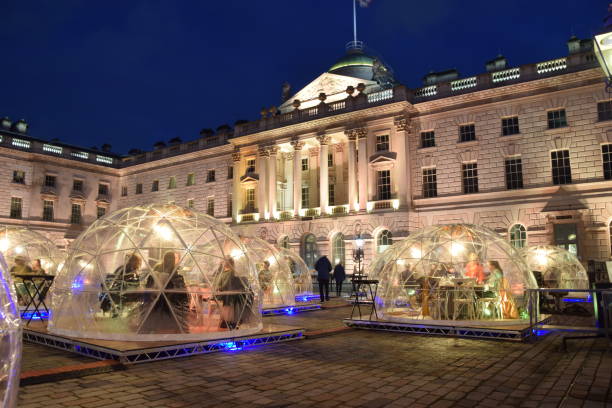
(557, 267)
(22, 247)
(302, 279)
(452, 272)
(275, 278)
(156, 272)
(10, 339)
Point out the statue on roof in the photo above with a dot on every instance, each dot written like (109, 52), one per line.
(286, 91)
(382, 75)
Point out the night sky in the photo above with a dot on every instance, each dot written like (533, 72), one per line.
(130, 73)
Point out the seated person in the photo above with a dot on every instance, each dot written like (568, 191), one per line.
(124, 278)
(474, 269)
(237, 306)
(21, 268)
(37, 267)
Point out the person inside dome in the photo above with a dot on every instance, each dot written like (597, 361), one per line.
(474, 269)
(265, 279)
(235, 297)
(124, 278)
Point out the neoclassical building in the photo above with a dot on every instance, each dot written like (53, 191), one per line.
(525, 150)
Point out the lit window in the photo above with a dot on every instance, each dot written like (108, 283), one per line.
(19, 177)
(190, 179)
(467, 133)
(249, 200)
(514, 173)
(210, 206)
(305, 198)
(338, 250)
(155, 185)
(556, 119)
(428, 139)
(604, 110)
(310, 250)
(16, 204)
(470, 178)
(139, 188)
(561, 169)
(384, 241)
(305, 164)
(24, 144)
(518, 236)
(510, 126)
(80, 155)
(172, 183)
(382, 143)
(47, 214)
(383, 184)
(75, 214)
(430, 183)
(606, 153)
(52, 149)
(250, 166)
(210, 176)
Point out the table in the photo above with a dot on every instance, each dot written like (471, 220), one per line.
(36, 288)
(372, 288)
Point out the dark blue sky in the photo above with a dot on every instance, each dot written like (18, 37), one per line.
(130, 73)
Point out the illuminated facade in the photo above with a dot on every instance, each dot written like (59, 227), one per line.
(525, 151)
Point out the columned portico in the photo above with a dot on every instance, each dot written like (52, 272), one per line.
(272, 151)
(236, 193)
(402, 170)
(353, 200)
(297, 176)
(362, 136)
(323, 173)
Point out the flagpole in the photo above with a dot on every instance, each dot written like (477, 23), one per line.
(354, 21)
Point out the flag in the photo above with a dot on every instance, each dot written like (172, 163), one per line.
(364, 3)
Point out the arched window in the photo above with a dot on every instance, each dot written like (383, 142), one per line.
(338, 252)
(384, 241)
(284, 242)
(310, 250)
(518, 236)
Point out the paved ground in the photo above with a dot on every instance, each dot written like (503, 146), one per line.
(352, 369)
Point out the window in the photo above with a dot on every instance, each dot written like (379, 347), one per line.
(331, 197)
(190, 179)
(338, 250)
(47, 214)
(19, 177)
(604, 110)
(124, 191)
(172, 183)
(470, 178)
(100, 212)
(305, 164)
(229, 205)
(428, 139)
(561, 170)
(75, 214)
(77, 185)
(310, 250)
(284, 242)
(155, 185)
(383, 184)
(210, 206)
(50, 181)
(384, 241)
(606, 153)
(210, 176)
(382, 143)
(330, 160)
(305, 198)
(514, 173)
(250, 166)
(102, 189)
(16, 207)
(467, 133)
(430, 183)
(556, 119)
(510, 126)
(566, 236)
(230, 172)
(139, 188)
(518, 236)
(190, 203)
(249, 202)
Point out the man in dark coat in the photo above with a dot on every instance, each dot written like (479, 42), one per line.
(339, 276)
(323, 268)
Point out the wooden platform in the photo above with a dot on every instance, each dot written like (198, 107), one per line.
(132, 352)
(514, 330)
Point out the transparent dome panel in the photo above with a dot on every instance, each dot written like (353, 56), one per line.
(10, 339)
(302, 279)
(555, 267)
(27, 251)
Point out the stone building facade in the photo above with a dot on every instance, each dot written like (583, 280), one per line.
(526, 151)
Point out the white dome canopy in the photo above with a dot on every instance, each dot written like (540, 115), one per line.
(558, 267)
(10, 340)
(275, 278)
(156, 272)
(300, 272)
(446, 272)
(23, 246)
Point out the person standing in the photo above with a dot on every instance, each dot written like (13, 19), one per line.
(339, 275)
(323, 268)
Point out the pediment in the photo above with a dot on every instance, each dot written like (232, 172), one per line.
(333, 85)
(249, 179)
(383, 160)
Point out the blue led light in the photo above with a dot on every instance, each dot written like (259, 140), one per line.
(577, 300)
(35, 315)
(289, 311)
(230, 345)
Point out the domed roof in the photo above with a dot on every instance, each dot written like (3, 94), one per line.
(23, 244)
(558, 267)
(354, 63)
(300, 272)
(156, 272)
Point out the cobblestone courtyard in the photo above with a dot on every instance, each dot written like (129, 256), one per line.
(350, 368)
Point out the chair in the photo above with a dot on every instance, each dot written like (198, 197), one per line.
(489, 308)
(464, 301)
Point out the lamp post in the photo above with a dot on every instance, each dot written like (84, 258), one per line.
(358, 254)
(603, 47)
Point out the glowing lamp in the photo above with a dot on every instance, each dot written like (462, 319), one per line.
(456, 248)
(603, 46)
(415, 252)
(271, 260)
(395, 204)
(19, 250)
(236, 253)
(359, 242)
(4, 244)
(163, 231)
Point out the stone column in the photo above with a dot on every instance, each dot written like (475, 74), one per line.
(236, 193)
(272, 150)
(362, 136)
(402, 173)
(297, 176)
(323, 174)
(288, 176)
(352, 170)
(262, 190)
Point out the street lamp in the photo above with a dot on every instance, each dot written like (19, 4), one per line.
(358, 254)
(603, 47)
